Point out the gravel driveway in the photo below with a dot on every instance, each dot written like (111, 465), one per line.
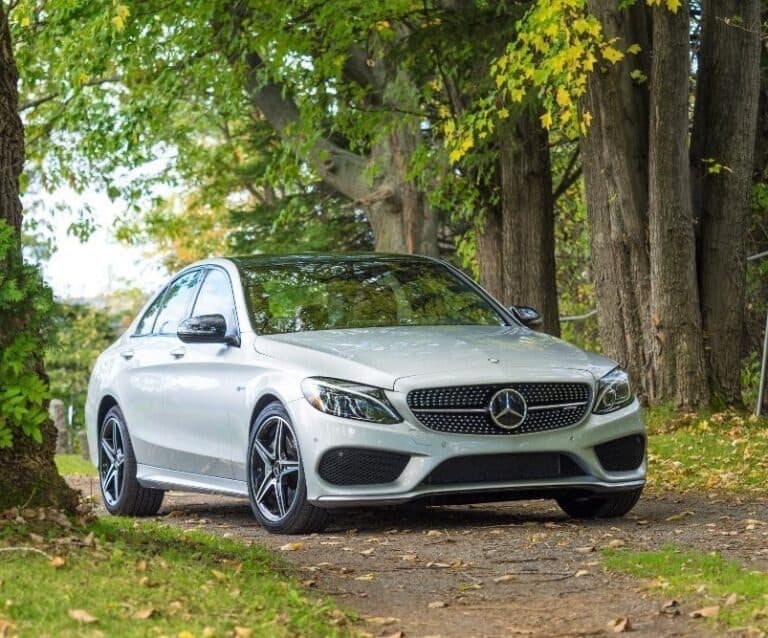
(513, 569)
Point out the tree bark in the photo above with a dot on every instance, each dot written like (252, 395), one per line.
(615, 161)
(723, 145)
(528, 223)
(678, 354)
(28, 474)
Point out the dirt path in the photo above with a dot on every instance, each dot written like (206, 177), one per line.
(519, 569)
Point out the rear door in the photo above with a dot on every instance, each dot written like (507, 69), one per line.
(149, 393)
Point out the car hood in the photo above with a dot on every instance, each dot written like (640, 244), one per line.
(382, 356)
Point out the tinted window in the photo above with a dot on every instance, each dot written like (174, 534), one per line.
(148, 320)
(325, 295)
(175, 303)
(215, 297)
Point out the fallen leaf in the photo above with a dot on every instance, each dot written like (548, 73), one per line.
(620, 625)
(141, 566)
(434, 532)
(586, 550)
(82, 616)
(367, 552)
(580, 573)
(397, 634)
(408, 557)
(291, 547)
(243, 632)
(185, 634)
(208, 632)
(367, 577)
(437, 604)
(144, 614)
(616, 543)
(36, 538)
(706, 612)
(732, 600)
(504, 579)
(381, 620)
(218, 575)
(309, 583)
(57, 562)
(679, 516)
(670, 608)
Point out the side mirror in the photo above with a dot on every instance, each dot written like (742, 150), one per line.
(207, 329)
(528, 316)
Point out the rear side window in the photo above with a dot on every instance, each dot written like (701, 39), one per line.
(148, 320)
(176, 302)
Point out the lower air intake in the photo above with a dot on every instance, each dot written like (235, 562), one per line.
(499, 468)
(622, 455)
(359, 466)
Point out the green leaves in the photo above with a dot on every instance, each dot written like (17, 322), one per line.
(24, 304)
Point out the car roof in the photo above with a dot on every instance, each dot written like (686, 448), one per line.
(254, 261)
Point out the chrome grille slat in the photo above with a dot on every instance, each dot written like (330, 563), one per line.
(464, 409)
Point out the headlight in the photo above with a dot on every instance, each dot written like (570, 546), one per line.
(349, 400)
(613, 392)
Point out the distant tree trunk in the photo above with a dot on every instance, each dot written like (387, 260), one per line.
(27, 471)
(490, 252)
(723, 144)
(528, 224)
(615, 161)
(678, 354)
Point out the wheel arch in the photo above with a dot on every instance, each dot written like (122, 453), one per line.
(105, 405)
(264, 400)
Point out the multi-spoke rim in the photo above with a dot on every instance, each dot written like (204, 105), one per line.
(111, 461)
(274, 467)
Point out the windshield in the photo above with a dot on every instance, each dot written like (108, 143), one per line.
(360, 293)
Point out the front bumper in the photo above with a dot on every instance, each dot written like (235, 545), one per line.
(319, 433)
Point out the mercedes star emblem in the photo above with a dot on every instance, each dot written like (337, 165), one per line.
(508, 409)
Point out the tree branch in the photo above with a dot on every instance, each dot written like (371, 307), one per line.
(339, 168)
(32, 104)
(570, 175)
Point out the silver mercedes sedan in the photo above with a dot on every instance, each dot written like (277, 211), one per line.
(310, 382)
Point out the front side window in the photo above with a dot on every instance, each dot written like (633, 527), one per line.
(176, 302)
(326, 295)
(215, 296)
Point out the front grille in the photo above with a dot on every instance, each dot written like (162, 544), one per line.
(464, 409)
(622, 455)
(358, 466)
(498, 468)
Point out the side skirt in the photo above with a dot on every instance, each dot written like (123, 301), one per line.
(164, 479)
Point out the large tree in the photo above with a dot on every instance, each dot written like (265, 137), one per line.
(28, 475)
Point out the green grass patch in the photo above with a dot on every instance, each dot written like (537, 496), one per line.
(148, 579)
(709, 578)
(70, 464)
(723, 451)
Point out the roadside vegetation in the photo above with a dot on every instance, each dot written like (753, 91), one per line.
(119, 577)
(74, 465)
(713, 587)
(725, 451)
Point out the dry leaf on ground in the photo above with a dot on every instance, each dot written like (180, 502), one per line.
(706, 612)
(620, 625)
(82, 616)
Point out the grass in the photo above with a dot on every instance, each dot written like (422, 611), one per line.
(723, 451)
(74, 464)
(147, 579)
(710, 578)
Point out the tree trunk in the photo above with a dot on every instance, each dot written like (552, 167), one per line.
(27, 471)
(528, 223)
(678, 352)
(615, 161)
(490, 252)
(723, 145)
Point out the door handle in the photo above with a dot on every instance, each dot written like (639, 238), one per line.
(178, 353)
(127, 354)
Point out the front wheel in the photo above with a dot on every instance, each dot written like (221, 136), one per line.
(121, 492)
(614, 506)
(277, 488)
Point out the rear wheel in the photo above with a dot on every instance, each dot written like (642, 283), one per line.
(276, 485)
(614, 506)
(120, 491)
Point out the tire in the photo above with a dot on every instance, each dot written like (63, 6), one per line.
(120, 491)
(277, 488)
(614, 506)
